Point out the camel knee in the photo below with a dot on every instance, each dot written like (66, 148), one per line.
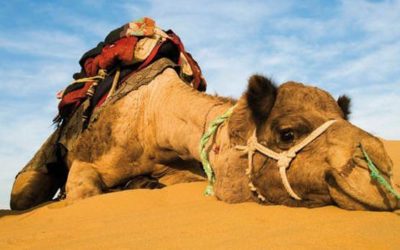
(32, 188)
(83, 181)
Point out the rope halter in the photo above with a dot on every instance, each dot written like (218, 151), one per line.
(283, 158)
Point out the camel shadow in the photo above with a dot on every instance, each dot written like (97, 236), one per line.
(9, 212)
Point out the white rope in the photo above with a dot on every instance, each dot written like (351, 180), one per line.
(283, 159)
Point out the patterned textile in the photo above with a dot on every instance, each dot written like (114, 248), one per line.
(130, 48)
(142, 27)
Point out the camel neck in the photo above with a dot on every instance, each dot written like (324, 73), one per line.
(182, 115)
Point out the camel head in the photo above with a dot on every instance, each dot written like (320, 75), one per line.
(330, 169)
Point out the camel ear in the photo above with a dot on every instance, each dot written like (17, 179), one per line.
(260, 95)
(344, 103)
(252, 108)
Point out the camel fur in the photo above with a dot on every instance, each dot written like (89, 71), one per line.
(151, 131)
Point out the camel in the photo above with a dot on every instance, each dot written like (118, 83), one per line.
(155, 132)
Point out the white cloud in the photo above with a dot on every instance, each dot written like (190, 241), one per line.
(48, 43)
(31, 78)
(205, 23)
(374, 113)
(379, 17)
(371, 68)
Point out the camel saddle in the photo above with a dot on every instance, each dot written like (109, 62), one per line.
(125, 51)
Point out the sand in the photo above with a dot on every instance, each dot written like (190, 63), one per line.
(180, 217)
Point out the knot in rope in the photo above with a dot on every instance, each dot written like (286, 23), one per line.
(285, 158)
(102, 73)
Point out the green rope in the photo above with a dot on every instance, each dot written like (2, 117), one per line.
(377, 176)
(203, 153)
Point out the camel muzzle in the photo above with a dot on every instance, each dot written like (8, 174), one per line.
(348, 195)
(362, 185)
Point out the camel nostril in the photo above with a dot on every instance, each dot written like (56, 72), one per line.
(377, 153)
(376, 160)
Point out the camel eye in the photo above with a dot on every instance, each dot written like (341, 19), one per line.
(287, 136)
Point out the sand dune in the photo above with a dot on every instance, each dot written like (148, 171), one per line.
(180, 217)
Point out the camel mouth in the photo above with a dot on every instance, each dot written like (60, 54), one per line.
(348, 196)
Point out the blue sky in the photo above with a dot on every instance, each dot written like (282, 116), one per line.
(349, 46)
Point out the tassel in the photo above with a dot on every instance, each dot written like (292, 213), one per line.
(209, 190)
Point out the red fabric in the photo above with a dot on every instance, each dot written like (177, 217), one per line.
(122, 51)
(91, 67)
(74, 97)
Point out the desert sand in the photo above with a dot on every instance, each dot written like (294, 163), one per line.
(180, 217)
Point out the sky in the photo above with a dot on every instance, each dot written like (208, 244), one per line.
(345, 47)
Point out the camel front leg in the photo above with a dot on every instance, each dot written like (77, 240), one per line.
(33, 187)
(41, 177)
(83, 181)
